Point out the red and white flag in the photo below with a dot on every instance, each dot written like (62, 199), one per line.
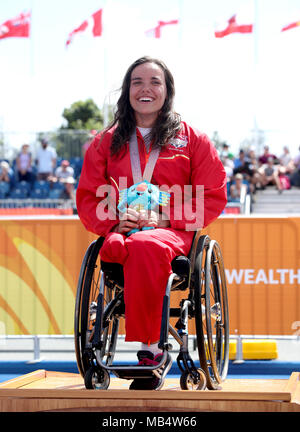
(234, 27)
(94, 24)
(291, 26)
(156, 31)
(16, 27)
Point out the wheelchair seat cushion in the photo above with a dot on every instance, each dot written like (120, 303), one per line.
(180, 266)
(114, 271)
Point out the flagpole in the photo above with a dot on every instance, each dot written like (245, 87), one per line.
(180, 32)
(105, 68)
(255, 66)
(31, 56)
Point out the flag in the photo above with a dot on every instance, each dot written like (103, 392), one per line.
(291, 26)
(156, 31)
(233, 27)
(94, 23)
(16, 27)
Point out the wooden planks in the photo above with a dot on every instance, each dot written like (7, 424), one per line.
(48, 391)
(23, 380)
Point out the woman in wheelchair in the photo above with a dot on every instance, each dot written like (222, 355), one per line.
(148, 144)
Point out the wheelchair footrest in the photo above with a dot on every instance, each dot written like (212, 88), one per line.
(131, 373)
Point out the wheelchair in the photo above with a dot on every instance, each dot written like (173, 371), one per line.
(100, 305)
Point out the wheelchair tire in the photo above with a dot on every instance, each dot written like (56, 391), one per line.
(211, 313)
(96, 379)
(84, 296)
(187, 381)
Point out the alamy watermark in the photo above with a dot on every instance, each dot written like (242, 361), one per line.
(186, 205)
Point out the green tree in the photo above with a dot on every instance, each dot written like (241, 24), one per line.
(83, 115)
(79, 120)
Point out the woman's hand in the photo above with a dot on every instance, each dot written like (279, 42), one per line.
(152, 218)
(128, 221)
(131, 219)
(148, 219)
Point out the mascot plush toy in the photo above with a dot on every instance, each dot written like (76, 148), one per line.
(142, 196)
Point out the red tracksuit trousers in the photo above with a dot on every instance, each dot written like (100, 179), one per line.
(146, 257)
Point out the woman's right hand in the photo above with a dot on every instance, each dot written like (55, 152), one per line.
(128, 221)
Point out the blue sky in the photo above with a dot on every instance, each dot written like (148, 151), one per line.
(221, 84)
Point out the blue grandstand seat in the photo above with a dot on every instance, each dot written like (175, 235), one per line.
(18, 193)
(55, 193)
(58, 161)
(39, 193)
(58, 185)
(4, 189)
(76, 164)
(24, 185)
(41, 184)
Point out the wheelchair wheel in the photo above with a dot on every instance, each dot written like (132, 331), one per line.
(211, 312)
(96, 379)
(188, 382)
(87, 292)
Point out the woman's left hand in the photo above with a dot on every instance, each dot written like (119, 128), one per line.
(152, 218)
(148, 218)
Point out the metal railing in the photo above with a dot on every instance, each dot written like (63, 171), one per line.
(36, 343)
(36, 203)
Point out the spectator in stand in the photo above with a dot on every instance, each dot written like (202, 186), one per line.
(236, 188)
(24, 164)
(256, 178)
(297, 160)
(286, 162)
(64, 171)
(252, 158)
(286, 157)
(270, 175)
(295, 174)
(241, 160)
(46, 161)
(65, 174)
(228, 166)
(263, 159)
(242, 165)
(224, 150)
(5, 172)
(68, 192)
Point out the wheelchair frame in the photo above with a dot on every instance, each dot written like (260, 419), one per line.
(100, 304)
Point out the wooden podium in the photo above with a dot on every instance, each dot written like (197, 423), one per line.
(58, 391)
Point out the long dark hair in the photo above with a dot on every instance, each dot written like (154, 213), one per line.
(167, 124)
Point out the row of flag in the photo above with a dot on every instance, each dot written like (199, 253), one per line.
(20, 27)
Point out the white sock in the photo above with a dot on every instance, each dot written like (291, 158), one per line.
(152, 348)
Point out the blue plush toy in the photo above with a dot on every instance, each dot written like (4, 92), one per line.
(142, 196)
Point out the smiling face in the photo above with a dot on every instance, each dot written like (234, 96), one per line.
(147, 93)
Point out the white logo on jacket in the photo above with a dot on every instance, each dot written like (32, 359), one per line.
(178, 142)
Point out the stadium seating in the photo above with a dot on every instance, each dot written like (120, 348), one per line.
(4, 189)
(18, 193)
(40, 190)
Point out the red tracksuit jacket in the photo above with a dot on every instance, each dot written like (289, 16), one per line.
(146, 256)
(188, 160)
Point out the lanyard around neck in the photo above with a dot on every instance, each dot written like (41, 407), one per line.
(136, 164)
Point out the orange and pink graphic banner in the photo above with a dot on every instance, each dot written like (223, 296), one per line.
(40, 260)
